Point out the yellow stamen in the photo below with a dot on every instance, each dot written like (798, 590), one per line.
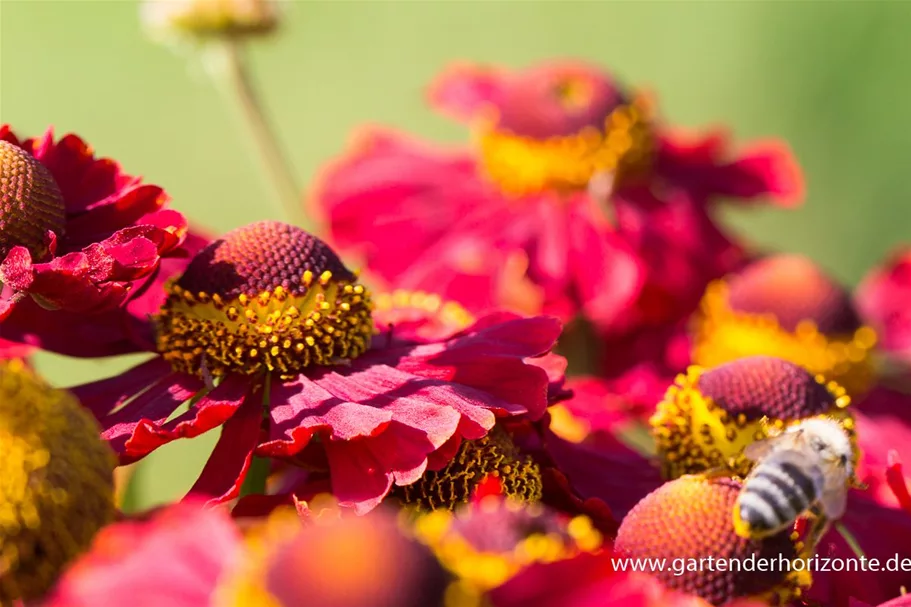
(494, 455)
(723, 334)
(521, 165)
(274, 331)
(56, 482)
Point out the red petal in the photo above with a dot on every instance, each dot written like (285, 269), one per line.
(70, 333)
(386, 186)
(884, 300)
(463, 90)
(105, 217)
(153, 406)
(303, 407)
(209, 412)
(363, 470)
(608, 274)
(610, 471)
(702, 165)
(896, 481)
(17, 270)
(766, 168)
(226, 469)
(103, 396)
(883, 534)
(177, 558)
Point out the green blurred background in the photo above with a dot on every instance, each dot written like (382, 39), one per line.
(832, 78)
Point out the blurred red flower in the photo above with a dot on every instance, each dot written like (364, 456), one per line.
(560, 149)
(79, 238)
(176, 557)
(334, 560)
(592, 580)
(882, 533)
(883, 419)
(604, 469)
(268, 320)
(884, 300)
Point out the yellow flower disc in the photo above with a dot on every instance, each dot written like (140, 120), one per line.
(785, 307)
(56, 482)
(709, 416)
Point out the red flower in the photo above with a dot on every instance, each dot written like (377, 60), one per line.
(334, 561)
(267, 317)
(883, 419)
(121, 330)
(551, 139)
(488, 540)
(786, 306)
(884, 300)
(902, 601)
(604, 470)
(592, 580)
(434, 207)
(77, 235)
(882, 533)
(174, 558)
(600, 406)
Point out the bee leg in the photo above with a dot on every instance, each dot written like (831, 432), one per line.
(819, 525)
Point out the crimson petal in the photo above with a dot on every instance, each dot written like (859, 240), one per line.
(210, 411)
(610, 471)
(226, 469)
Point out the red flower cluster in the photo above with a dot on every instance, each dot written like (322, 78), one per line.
(558, 375)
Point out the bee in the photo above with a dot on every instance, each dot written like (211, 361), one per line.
(805, 469)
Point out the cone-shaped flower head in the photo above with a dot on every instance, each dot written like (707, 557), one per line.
(709, 415)
(56, 482)
(688, 521)
(334, 562)
(266, 297)
(785, 306)
(488, 541)
(557, 125)
(31, 204)
(495, 456)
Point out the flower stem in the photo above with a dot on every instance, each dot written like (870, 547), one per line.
(257, 475)
(849, 539)
(276, 167)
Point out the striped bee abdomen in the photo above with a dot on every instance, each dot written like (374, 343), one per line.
(779, 489)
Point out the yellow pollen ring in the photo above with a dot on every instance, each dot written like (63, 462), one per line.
(493, 455)
(479, 571)
(722, 335)
(522, 165)
(694, 434)
(201, 333)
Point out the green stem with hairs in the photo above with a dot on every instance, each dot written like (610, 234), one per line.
(233, 70)
(258, 474)
(850, 539)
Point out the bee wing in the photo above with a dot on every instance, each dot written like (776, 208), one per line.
(759, 449)
(834, 497)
